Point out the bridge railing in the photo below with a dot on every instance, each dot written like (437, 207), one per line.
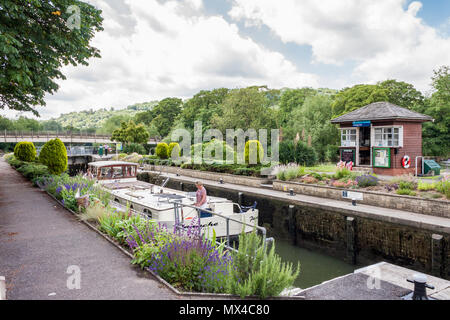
(30, 135)
(53, 134)
(75, 150)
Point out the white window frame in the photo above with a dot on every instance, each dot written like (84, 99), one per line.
(385, 144)
(348, 135)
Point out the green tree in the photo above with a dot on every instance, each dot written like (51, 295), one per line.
(358, 96)
(436, 135)
(243, 109)
(113, 123)
(6, 124)
(293, 99)
(202, 106)
(313, 119)
(402, 94)
(26, 124)
(51, 125)
(129, 132)
(36, 40)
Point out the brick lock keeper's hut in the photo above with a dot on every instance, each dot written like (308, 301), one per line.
(383, 136)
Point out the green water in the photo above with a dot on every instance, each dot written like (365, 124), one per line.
(314, 267)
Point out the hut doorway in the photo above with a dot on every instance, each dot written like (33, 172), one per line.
(364, 146)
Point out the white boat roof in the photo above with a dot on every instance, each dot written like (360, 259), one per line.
(111, 163)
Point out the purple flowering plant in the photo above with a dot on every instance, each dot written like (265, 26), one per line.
(184, 257)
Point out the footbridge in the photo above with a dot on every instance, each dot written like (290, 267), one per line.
(64, 136)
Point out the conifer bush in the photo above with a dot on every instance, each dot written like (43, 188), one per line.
(25, 151)
(177, 152)
(54, 156)
(251, 147)
(162, 150)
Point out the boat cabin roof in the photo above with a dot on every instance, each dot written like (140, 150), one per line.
(111, 163)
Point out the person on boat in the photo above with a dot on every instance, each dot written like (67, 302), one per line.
(201, 196)
(202, 199)
(89, 174)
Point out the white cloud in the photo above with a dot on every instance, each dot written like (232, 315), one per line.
(155, 49)
(384, 39)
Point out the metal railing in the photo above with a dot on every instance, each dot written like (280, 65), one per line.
(74, 150)
(177, 207)
(21, 135)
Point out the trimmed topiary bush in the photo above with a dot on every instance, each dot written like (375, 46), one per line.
(54, 156)
(25, 151)
(252, 146)
(177, 152)
(162, 150)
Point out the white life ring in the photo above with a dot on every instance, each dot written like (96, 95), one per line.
(406, 162)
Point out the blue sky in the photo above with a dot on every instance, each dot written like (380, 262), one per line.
(152, 49)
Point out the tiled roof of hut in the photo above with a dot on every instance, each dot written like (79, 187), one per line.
(381, 111)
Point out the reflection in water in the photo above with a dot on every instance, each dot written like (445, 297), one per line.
(314, 267)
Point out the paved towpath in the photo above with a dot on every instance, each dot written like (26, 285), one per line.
(39, 240)
(427, 222)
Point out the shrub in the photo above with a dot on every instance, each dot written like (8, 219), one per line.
(305, 155)
(444, 187)
(286, 152)
(366, 180)
(134, 148)
(258, 271)
(407, 192)
(332, 153)
(252, 147)
(342, 173)
(32, 171)
(209, 150)
(424, 186)
(289, 172)
(407, 185)
(54, 156)
(25, 151)
(176, 153)
(162, 150)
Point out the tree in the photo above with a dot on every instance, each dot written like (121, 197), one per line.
(358, 96)
(402, 94)
(26, 124)
(245, 108)
(292, 99)
(130, 133)
(51, 125)
(202, 106)
(162, 116)
(314, 120)
(436, 135)
(113, 123)
(6, 124)
(36, 39)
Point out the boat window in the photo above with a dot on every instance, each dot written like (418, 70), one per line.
(117, 172)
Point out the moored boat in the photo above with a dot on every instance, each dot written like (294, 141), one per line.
(168, 206)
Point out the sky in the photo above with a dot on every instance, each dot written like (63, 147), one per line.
(153, 49)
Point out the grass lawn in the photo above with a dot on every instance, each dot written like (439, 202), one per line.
(325, 167)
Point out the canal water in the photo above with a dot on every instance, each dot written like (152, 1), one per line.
(314, 267)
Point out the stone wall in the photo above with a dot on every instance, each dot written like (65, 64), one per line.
(433, 207)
